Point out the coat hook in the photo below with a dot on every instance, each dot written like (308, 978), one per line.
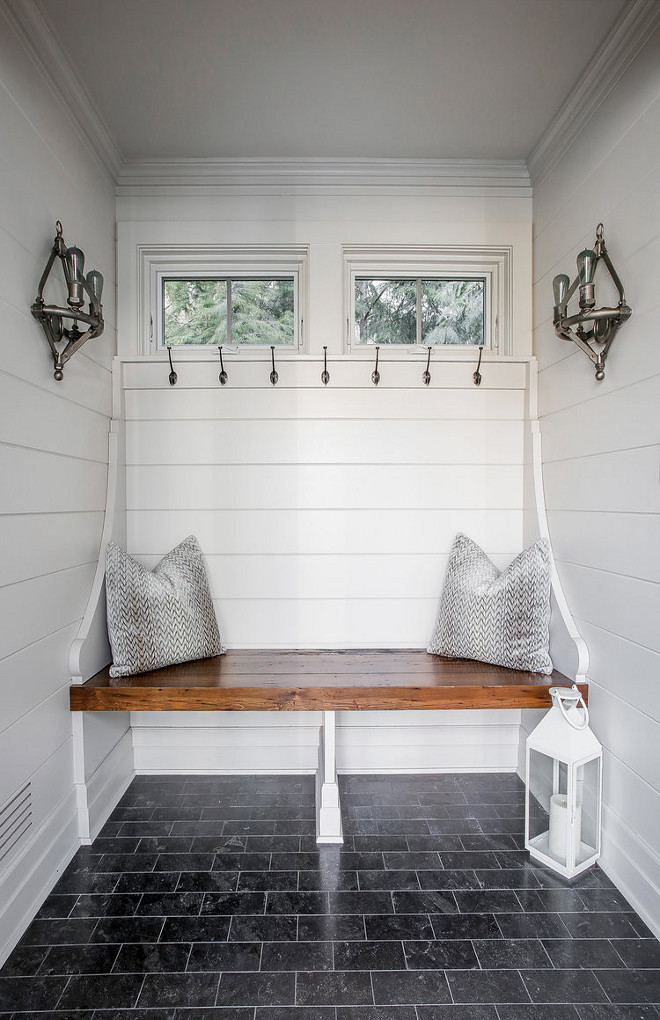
(273, 375)
(476, 376)
(375, 375)
(223, 375)
(173, 375)
(325, 375)
(426, 378)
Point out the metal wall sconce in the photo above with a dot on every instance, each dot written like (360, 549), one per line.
(63, 341)
(604, 321)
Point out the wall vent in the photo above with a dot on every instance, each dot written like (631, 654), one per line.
(15, 821)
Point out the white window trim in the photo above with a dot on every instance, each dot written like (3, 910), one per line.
(492, 264)
(189, 261)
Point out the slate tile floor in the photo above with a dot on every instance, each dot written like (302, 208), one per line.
(207, 897)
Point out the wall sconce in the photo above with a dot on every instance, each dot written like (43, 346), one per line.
(605, 321)
(64, 342)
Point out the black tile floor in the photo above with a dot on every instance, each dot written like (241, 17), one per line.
(207, 897)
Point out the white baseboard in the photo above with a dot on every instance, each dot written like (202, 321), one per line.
(106, 786)
(35, 871)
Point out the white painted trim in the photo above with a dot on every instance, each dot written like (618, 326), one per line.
(39, 39)
(318, 176)
(611, 61)
(43, 860)
(544, 531)
(328, 808)
(98, 797)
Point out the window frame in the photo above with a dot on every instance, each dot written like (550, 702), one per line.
(492, 265)
(177, 262)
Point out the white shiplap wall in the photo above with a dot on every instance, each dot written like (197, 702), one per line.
(53, 457)
(601, 444)
(326, 515)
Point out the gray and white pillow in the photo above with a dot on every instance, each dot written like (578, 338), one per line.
(501, 618)
(162, 616)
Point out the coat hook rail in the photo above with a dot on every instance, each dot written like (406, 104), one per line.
(273, 375)
(173, 375)
(325, 375)
(426, 378)
(223, 375)
(375, 375)
(476, 376)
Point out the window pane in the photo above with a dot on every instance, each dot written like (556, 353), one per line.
(385, 311)
(453, 311)
(262, 312)
(194, 311)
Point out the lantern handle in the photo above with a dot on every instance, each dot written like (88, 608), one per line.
(575, 700)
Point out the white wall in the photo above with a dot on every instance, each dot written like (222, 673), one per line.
(53, 457)
(326, 513)
(601, 445)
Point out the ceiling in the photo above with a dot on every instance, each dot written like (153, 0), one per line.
(449, 79)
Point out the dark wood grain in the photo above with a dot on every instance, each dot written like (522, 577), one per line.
(249, 680)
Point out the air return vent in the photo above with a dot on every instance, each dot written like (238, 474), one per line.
(15, 821)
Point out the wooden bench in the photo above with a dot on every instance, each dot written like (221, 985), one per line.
(261, 680)
(326, 681)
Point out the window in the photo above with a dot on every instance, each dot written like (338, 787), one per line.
(239, 310)
(420, 311)
(195, 298)
(422, 296)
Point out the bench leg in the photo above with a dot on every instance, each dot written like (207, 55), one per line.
(328, 809)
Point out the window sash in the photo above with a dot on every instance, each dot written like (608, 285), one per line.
(229, 337)
(420, 281)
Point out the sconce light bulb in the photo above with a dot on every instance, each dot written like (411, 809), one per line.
(74, 263)
(95, 281)
(586, 265)
(560, 286)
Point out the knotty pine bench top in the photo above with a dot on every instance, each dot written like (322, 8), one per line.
(250, 680)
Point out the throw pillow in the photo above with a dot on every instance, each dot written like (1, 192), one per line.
(162, 616)
(502, 618)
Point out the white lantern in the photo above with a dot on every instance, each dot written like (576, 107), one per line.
(564, 787)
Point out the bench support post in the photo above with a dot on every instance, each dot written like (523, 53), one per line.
(328, 809)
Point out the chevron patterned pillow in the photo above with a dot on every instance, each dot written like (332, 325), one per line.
(162, 616)
(495, 617)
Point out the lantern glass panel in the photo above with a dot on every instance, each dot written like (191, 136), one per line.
(588, 799)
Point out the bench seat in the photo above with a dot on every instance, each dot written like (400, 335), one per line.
(251, 680)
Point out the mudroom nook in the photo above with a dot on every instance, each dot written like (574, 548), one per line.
(330, 447)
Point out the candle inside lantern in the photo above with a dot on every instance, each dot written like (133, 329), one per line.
(559, 822)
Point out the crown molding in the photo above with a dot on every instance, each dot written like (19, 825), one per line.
(619, 49)
(318, 176)
(42, 45)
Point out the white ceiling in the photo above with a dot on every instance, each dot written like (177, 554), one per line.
(477, 79)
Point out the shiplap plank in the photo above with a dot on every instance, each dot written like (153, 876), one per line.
(603, 424)
(636, 803)
(30, 417)
(324, 442)
(628, 670)
(36, 544)
(33, 674)
(326, 623)
(31, 741)
(396, 372)
(42, 606)
(619, 543)
(178, 404)
(323, 486)
(622, 605)
(268, 532)
(628, 734)
(620, 482)
(49, 483)
(331, 576)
